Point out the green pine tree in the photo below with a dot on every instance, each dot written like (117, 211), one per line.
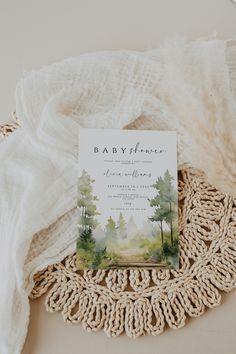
(165, 204)
(121, 225)
(110, 227)
(158, 217)
(169, 198)
(121, 222)
(86, 244)
(86, 202)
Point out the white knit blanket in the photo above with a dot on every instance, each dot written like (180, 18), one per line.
(185, 86)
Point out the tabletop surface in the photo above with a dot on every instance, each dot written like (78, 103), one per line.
(37, 33)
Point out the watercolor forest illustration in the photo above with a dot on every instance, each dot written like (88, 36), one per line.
(120, 244)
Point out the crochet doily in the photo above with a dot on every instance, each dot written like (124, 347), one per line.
(141, 301)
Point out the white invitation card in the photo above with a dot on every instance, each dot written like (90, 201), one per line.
(127, 199)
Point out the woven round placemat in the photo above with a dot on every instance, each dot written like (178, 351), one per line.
(141, 301)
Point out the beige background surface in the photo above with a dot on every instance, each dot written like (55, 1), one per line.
(36, 33)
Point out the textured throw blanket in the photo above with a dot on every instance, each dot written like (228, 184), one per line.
(185, 86)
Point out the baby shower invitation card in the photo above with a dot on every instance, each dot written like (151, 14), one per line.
(127, 199)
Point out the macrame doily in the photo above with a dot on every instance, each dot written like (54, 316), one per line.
(140, 301)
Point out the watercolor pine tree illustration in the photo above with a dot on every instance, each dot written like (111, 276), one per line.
(120, 243)
(121, 226)
(165, 213)
(110, 227)
(88, 255)
(92, 252)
